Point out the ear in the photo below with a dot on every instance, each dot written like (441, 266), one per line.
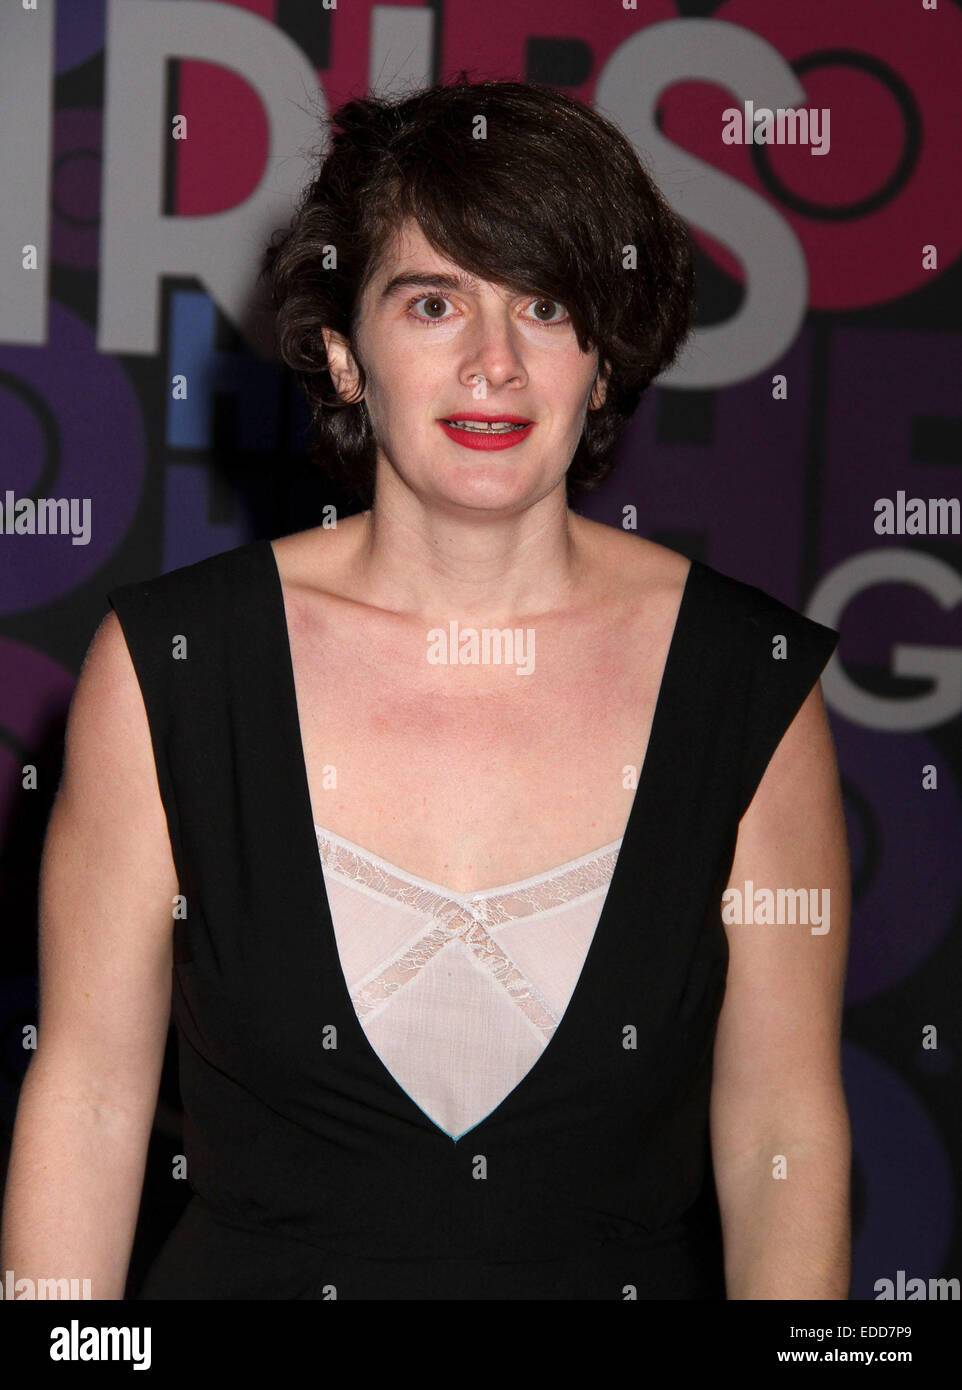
(599, 392)
(341, 364)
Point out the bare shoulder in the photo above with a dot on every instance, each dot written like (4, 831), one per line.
(319, 559)
(648, 578)
(108, 757)
(107, 696)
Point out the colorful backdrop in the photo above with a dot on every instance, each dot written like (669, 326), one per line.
(148, 148)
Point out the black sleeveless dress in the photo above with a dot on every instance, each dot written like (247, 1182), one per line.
(314, 1175)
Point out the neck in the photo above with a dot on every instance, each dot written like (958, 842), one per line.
(483, 569)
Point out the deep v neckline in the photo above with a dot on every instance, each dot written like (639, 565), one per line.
(304, 832)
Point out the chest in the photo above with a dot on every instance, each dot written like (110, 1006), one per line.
(469, 775)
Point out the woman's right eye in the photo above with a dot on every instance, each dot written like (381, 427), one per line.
(432, 299)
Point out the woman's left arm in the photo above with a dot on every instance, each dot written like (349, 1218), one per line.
(780, 1134)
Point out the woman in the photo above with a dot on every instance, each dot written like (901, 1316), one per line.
(434, 811)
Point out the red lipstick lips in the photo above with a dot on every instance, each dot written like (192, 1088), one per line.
(487, 439)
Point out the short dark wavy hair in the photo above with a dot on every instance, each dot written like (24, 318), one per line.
(545, 204)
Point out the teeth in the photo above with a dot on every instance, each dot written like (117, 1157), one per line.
(496, 428)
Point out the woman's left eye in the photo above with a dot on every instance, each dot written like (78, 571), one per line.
(539, 303)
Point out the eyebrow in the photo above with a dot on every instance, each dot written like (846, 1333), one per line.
(418, 279)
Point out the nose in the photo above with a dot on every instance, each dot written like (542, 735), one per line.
(493, 351)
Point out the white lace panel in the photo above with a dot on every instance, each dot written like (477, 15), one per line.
(459, 993)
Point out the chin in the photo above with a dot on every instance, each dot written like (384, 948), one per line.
(491, 494)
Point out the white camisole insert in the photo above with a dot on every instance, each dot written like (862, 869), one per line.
(459, 993)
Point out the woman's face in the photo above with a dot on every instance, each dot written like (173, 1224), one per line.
(426, 341)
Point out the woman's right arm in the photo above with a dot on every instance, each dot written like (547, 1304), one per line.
(107, 883)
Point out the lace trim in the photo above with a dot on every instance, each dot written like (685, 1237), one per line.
(454, 920)
(374, 995)
(540, 893)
